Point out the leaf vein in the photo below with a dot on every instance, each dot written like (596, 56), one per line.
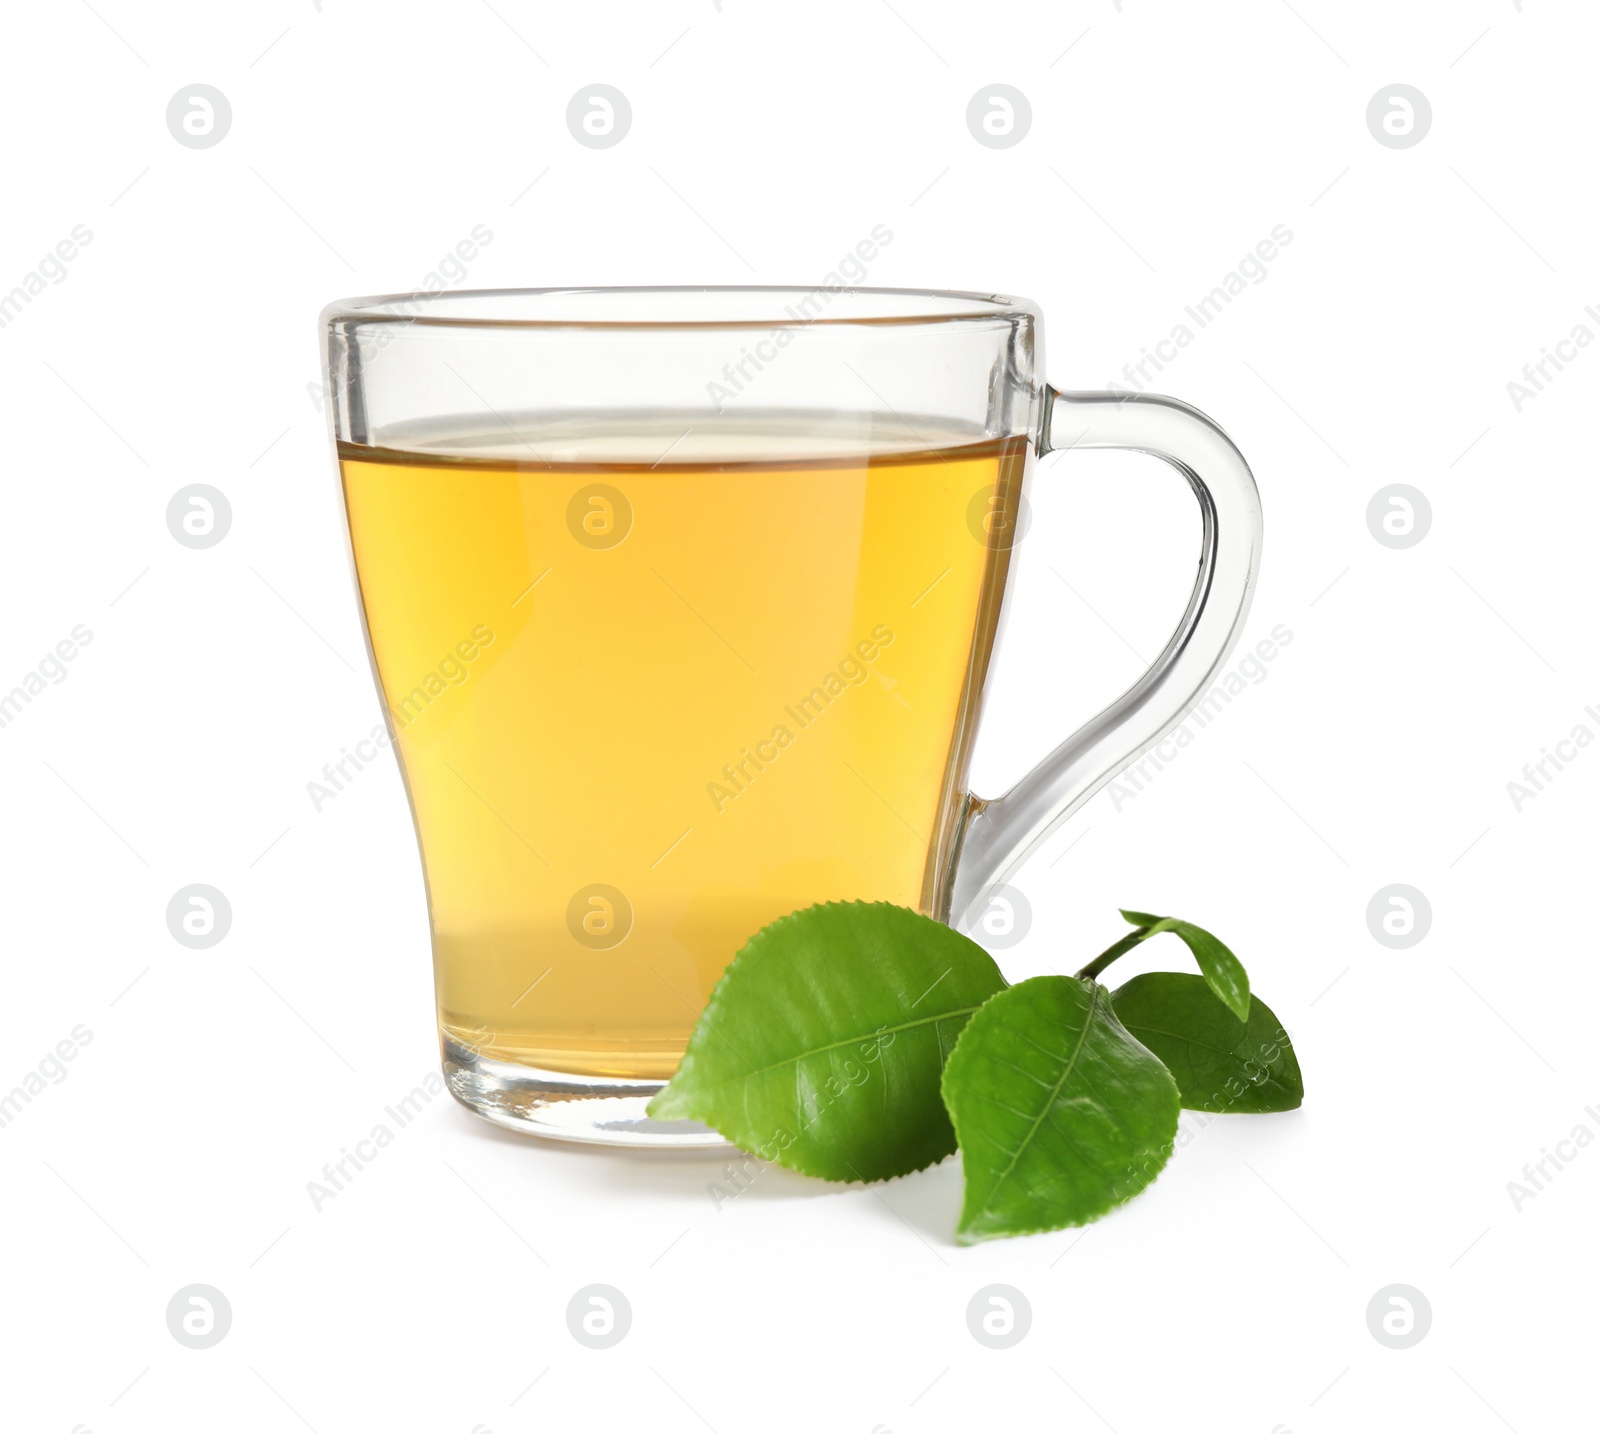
(1232, 1055)
(861, 1039)
(1043, 1050)
(1012, 1065)
(1067, 1070)
(1009, 1109)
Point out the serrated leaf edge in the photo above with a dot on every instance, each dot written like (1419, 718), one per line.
(706, 1021)
(966, 1236)
(660, 1107)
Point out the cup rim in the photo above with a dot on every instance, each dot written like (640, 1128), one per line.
(681, 306)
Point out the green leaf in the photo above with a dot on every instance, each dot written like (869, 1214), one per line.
(822, 1045)
(1224, 972)
(1061, 1114)
(1219, 1065)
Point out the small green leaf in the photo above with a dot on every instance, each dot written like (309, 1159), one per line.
(1224, 972)
(1218, 1064)
(822, 1045)
(1061, 1114)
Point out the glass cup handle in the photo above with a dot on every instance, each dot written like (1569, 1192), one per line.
(1001, 832)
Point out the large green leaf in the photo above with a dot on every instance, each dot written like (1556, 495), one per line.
(1219, 1064)
(1061, 1114)
(822, 1046)
(1224, 972)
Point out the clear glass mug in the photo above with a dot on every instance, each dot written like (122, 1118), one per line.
(681, 604)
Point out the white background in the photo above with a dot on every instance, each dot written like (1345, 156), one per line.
(1167, 139)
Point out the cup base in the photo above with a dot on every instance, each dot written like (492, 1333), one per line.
(561, 1106)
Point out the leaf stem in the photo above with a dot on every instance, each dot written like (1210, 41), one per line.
(1110, 954)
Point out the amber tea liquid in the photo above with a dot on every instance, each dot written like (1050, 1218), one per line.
(644, 709)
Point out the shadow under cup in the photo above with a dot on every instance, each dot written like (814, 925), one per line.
(680, 604)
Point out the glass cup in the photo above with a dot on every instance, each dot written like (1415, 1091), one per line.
(681, 604)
